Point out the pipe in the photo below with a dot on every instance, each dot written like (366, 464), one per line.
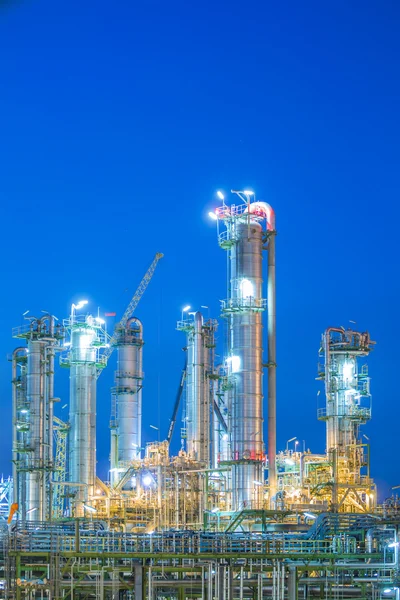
(17, 496)
(271, 303)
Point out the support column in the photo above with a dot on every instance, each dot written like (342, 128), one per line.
(292, 583)
(139, 582)
(271, 303)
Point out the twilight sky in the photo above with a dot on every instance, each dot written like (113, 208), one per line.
(119, 121)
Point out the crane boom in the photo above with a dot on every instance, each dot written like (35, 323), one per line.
(132, 306)
(176, 405)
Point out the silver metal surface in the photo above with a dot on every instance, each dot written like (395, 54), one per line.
(86, 337)
(127, 398)
(33, 397)
(199, 391)
(245, 370)
(271, 301)
(248, 226)
(348, 398)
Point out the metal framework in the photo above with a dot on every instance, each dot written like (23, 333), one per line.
(336, 558)
(131, 307)
(61, 430)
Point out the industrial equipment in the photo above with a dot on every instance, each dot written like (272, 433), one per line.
(126, 395)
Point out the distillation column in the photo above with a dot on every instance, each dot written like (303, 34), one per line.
(86, 338)
(200, 347)
(244, 239)
(33, 398)
(348, 405)
(126, 418)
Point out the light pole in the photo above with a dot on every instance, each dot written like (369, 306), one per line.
(76, 307)
(288, 442)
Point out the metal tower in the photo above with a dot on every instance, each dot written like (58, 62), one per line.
(247, 225)
(348, 406)
(198, 385)
(33, 399)
(83, 358)
(126, 417)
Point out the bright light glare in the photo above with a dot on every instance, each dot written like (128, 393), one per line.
(212, 215)
(258, 483)
(147, 480)
(393, 545)
(90, 508)
(220, 195)
(348, 370)
(215, 510)
(310, 515)
(80, 304)
(100, 320)
(289, 461)
(85, 340)
(246, 288)
(186, 308)
(234, 361)
(387, 590)
(225, 437)
(248, 192)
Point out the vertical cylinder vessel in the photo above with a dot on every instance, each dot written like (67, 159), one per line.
(86, 337)
(127, 398)
(243, 239)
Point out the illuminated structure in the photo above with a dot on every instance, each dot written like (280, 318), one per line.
(86, 336)
(126, 418)
(202, 523)
(199, 408)
(348, 405)
(33, 399)
(246, 232)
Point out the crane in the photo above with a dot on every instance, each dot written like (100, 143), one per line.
(131, 307)
(177, 402)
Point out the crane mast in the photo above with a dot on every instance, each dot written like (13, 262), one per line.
(131, 307)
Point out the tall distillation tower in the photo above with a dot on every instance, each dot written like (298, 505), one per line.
(83, 358)
(249, 226)
(126, 417)
(198, 385)
(33, 409)
(348, 406)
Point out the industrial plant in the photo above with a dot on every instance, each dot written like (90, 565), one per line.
(230, 516)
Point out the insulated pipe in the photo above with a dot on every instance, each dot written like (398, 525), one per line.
(16, 475)
(35, 400)
(271, 303)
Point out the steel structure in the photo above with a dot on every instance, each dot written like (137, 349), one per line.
(131, 307)
(6, 496)
(198, 386)
(336, 558)
(126, 418)
(86, 338)
(33, 400)
(348, 406)
(61, 431)
(126, 395)
(246, 227)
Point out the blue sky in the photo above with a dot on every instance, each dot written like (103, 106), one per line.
(120, 120)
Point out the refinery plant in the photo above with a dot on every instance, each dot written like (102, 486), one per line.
(230, 516)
